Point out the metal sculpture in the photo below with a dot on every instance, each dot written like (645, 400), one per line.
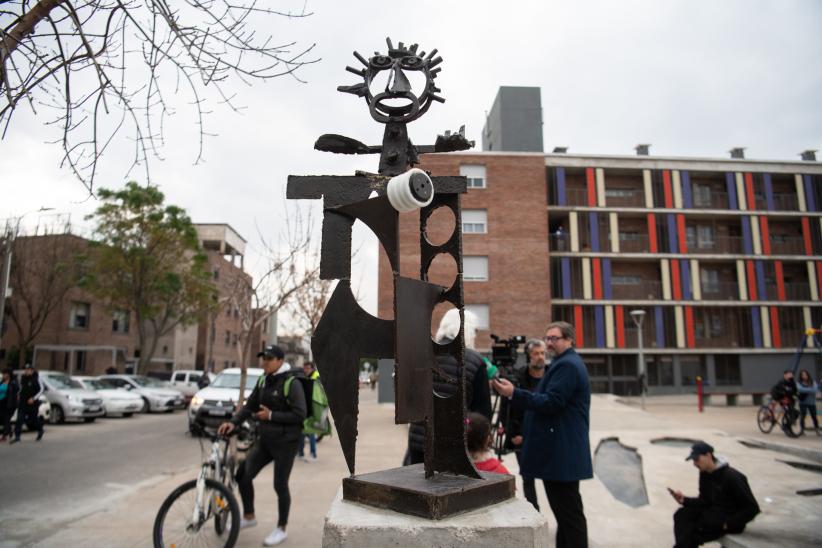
(347, 333)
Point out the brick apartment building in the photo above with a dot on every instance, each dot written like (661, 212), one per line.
(81, 336)
(723, 255)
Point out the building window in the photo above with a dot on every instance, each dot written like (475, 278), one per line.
(628, 236)
(474, 221)
(626, 280)
(726, 367)
(702, 195)
(710, 280)
(660, 370)
(227, 338)
(79, 315)
(704, 236)
(475, 175)
(482, 313)
(80, 363)
(619, 192)
(475, 269)
(119, 321)
(691, 367)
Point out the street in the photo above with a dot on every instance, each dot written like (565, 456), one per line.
(78, 469)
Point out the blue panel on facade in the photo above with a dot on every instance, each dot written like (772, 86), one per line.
(599, 321)
(687, 200)
(660, 327)
(593, 226)
(810, 198)
(730, 183)
(747, 242)
(756, 327)
(565, 263)
(760, 281)
(686, 280)
(561, 186)
(606, 279)
(672, 237)
(766, 177)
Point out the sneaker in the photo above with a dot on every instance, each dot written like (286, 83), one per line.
(39, 435)
(303, 459)
(14, 440)
(247, 522)
(313, 458)
(276, 537)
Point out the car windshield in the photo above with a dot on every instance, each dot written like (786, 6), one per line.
(63, 381)
(232, 380)
(106, 383)
(94, 384)
(148, 382)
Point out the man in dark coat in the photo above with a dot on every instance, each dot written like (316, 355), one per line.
(725, 503)
(477, 393)
(31, 388)
(556, 448)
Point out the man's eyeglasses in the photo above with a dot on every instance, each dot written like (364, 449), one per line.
(552, 339)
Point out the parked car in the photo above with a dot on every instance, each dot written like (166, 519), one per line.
(69, 400)
(187, 381)
(116, 401)
(156, 395)
(216, 402)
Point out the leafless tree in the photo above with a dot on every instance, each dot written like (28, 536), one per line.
(44, 267)
(100, 67)
(287, 270)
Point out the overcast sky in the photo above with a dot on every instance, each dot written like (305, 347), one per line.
(691, 77)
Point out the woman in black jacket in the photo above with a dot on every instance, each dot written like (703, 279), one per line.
(8, 401)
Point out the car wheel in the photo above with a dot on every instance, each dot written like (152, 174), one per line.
(127, 415)
(89, 419)
(57, 415)
(146, 406)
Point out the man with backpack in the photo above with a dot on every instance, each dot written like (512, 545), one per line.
(279, 404)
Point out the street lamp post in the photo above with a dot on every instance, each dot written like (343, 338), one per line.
(638, 316)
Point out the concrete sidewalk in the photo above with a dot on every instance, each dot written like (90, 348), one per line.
(787, 519)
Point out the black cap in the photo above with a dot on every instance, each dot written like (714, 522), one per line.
(272, 351)
(699, 448)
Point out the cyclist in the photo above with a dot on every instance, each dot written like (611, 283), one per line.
(280, 425)
(785, 389)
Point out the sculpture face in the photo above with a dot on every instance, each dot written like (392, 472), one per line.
(386, 87)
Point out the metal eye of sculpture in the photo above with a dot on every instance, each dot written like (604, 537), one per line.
(447, 482)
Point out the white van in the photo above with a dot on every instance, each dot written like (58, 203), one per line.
(187, 381)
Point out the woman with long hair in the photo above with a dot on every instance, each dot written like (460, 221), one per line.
(807, 400)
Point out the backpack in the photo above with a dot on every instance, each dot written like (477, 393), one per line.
(316, 420)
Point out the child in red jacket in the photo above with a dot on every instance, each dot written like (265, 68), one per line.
(478, 441)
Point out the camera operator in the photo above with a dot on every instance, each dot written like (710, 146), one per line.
(511, 417)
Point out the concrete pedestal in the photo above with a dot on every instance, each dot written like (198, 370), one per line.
(510, 523)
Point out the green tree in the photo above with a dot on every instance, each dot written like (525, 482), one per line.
(147, 259)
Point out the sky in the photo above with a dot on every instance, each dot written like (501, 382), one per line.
(690, 77)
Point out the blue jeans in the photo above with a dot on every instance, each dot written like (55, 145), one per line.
(312, 445)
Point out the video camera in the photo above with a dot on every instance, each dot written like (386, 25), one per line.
(504, 352)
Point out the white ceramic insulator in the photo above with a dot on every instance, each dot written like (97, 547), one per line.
(400, 195)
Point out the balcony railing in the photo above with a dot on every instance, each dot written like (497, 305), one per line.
(720, 291)
(644, 290)
(787, 245)
(639, 244)
(781, 202)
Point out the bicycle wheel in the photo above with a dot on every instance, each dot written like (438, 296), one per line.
(765, 419)
(174, 526)
(789, 423)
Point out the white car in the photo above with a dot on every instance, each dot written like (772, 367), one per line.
(156, 395)
(187, 381)
(69, 400)
(116, 401)
(216, 402)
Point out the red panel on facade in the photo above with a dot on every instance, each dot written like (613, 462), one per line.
(751, 281)
(680, 228)
(620, 325)
(780, 280)
(676, 281)
(592, 186)
(597, 279)
(689, 327)
(652, 233)
(776, 336)
(578, 325)
(666, 187)
(806, 234)
(819, 276)
(749, 191)
(766, 235)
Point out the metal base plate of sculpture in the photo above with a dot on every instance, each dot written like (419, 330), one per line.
(447, 482)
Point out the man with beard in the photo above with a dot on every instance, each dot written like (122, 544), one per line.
(555, 444)
(511, 417)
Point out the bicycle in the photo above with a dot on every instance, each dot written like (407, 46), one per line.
(183, 518)
(769, 415)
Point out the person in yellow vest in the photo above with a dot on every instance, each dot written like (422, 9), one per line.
(311, 373)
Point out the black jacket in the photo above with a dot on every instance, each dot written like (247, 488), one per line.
(727, 497)
(30, 387)
(511, 417)
(12, 391)
(784, 389)
(287, 414)
(477, 392)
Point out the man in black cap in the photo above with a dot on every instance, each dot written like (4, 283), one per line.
(31, 388)
(279, 405)
(725, 503)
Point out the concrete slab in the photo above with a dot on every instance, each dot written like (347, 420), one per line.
(510, 523)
